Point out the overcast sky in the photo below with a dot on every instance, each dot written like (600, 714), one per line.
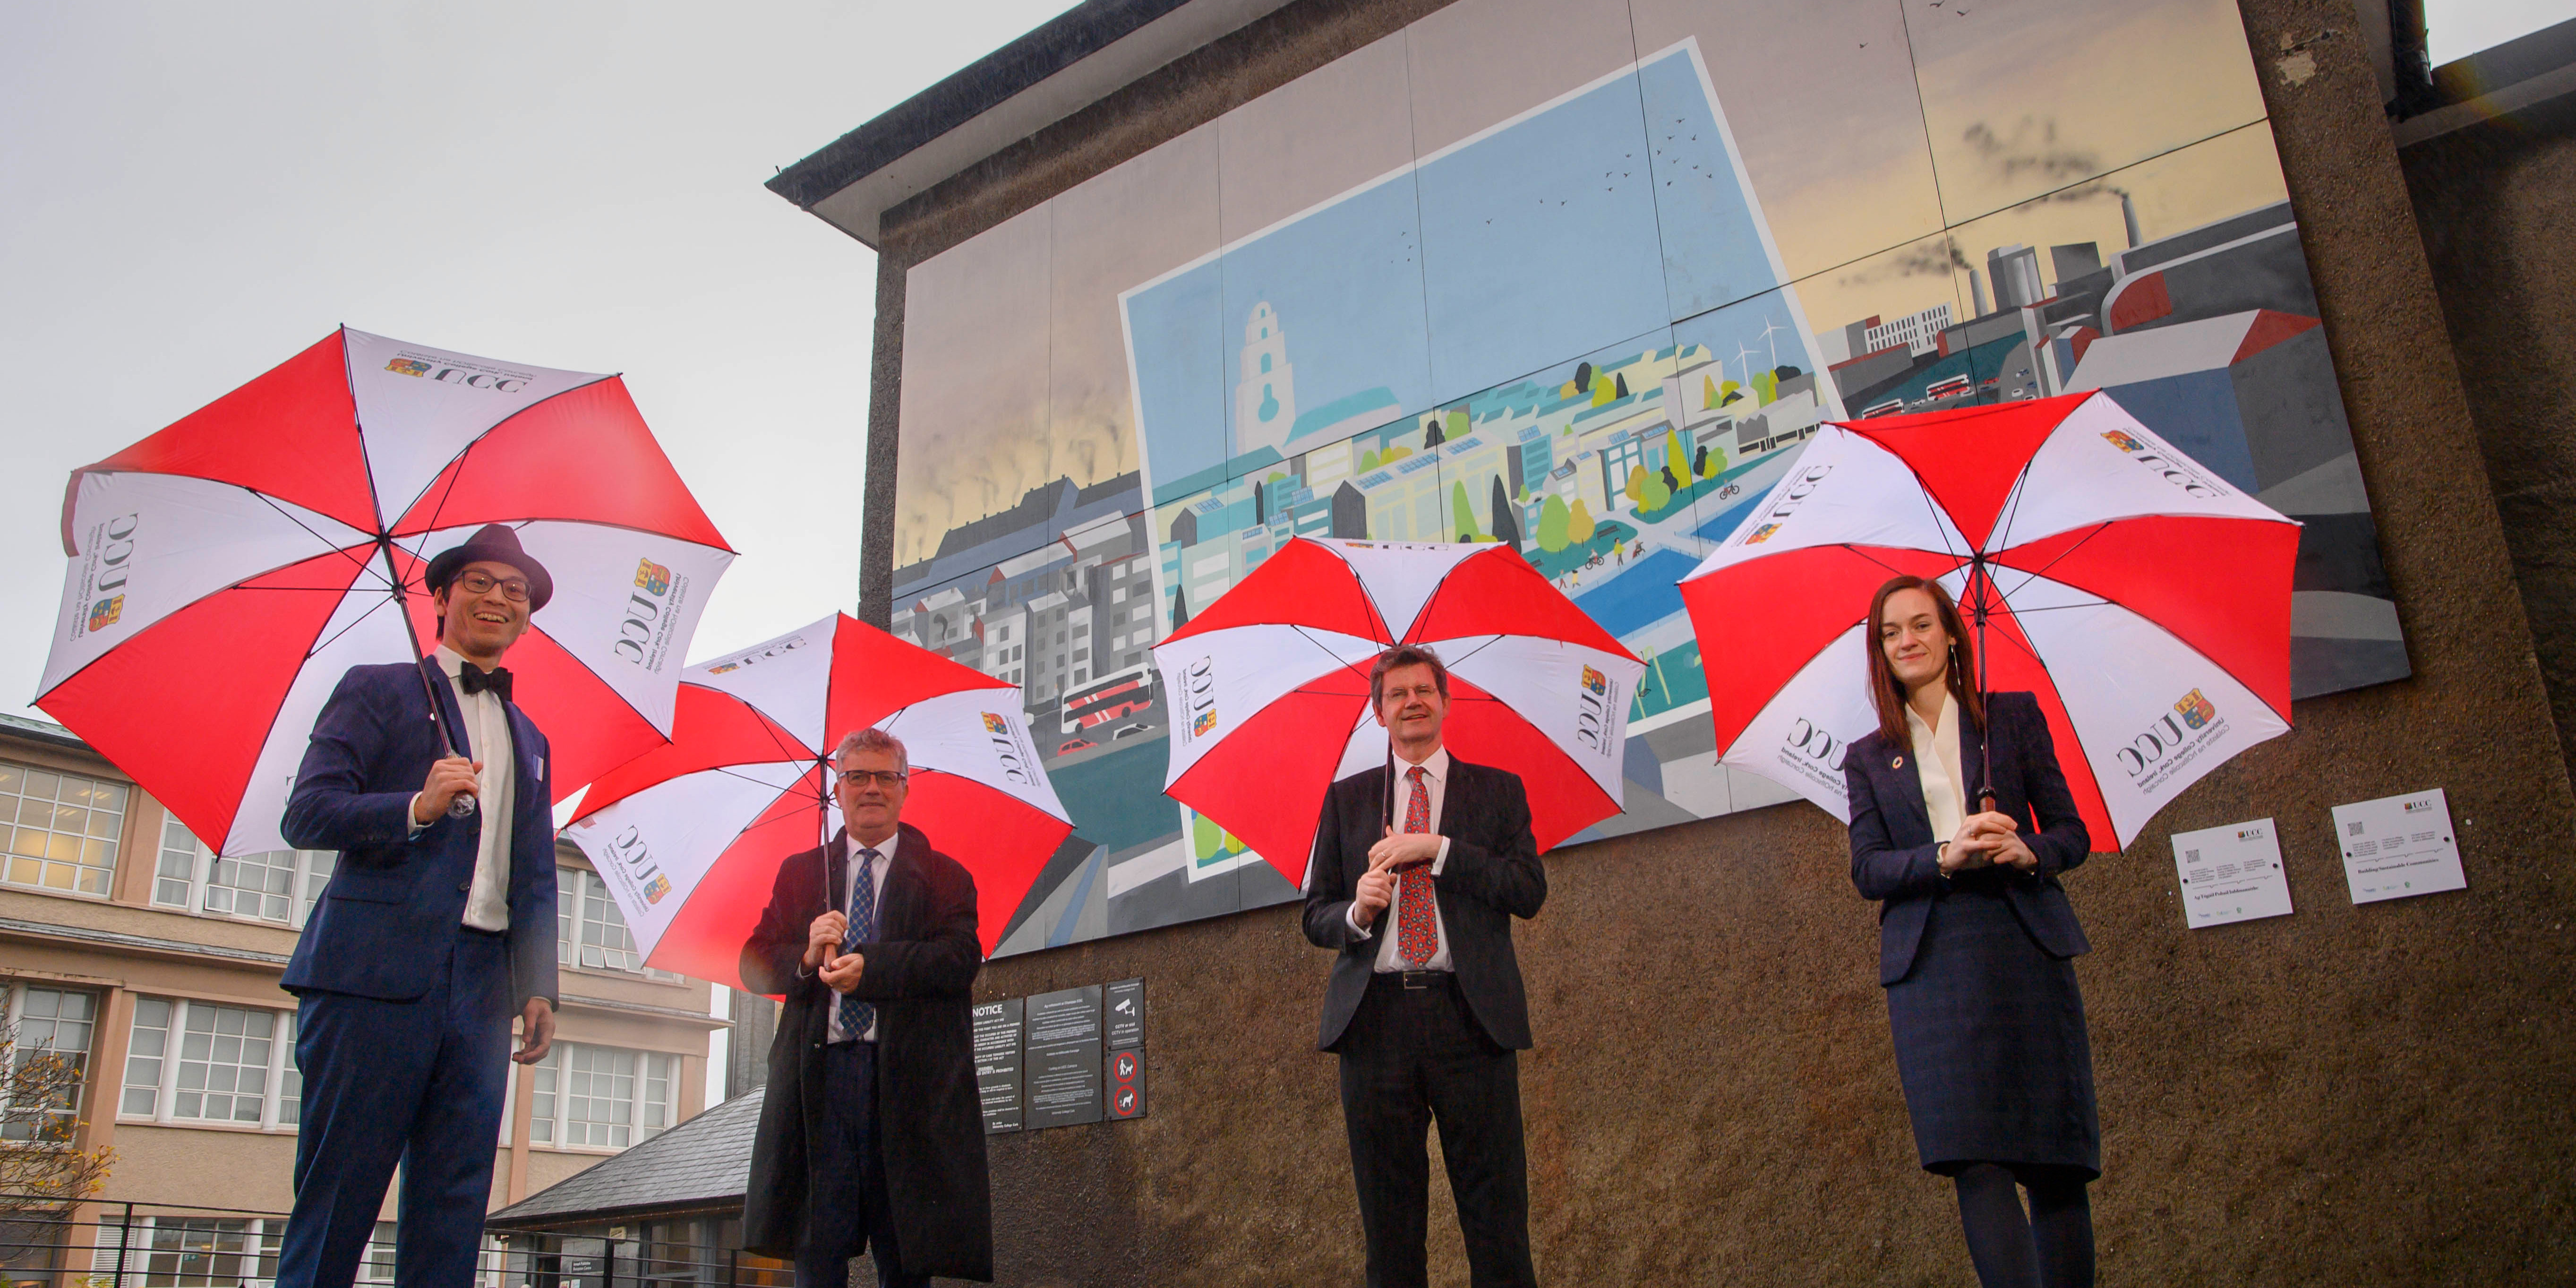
(190, 194)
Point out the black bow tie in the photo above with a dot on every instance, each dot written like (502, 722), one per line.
(474, 679)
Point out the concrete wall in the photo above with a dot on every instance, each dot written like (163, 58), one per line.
(2497, 202)
(2376, 1094)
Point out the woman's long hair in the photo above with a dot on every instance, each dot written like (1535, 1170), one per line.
(1887, 693)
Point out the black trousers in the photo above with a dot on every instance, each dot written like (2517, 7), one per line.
(1412, 1056)
(846, 1208)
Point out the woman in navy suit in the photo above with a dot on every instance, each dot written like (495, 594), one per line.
(1976, 939)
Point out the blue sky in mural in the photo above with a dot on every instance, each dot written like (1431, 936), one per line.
(1499, 257)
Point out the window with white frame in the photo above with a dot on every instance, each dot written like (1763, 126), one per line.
(57, 1024)
(596, 1097)
(172, 1251)
(193, 1061)
(590, 931)
(277, 886)
(59, 830)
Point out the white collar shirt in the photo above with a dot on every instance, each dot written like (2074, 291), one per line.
(1936, 765)
(876, 870)
(1435, 785)
(487, 736)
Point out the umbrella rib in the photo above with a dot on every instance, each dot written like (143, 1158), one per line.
(366, 565)
(1319, 644)
(2033, 574)
(354, 623)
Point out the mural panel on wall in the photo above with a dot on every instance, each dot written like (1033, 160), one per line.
(1583, 276)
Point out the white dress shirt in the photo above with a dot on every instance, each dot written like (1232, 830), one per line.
(1936, 764)
(1435, 784)
(487, 739)
(850, 886)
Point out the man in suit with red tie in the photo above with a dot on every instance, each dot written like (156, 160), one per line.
(438, 928)
(1425, 1007)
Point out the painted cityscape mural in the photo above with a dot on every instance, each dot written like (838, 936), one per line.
(1583, 276)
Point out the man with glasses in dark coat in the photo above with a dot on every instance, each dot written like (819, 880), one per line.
(872, 1134)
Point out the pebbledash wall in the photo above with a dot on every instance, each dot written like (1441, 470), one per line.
(2347, 1094)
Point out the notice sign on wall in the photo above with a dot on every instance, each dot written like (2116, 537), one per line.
(998, 1064)
(2398, 846)
(1064, 1050)
(1056, 1059)
(2231, 873)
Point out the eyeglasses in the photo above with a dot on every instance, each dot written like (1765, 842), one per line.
(888, 779)
(513, 589)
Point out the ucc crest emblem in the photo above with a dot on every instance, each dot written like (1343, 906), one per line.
(652, 577)
(104, 613)
(2195, 710)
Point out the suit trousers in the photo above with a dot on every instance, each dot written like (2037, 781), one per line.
(419, 1083)
(846, 1207)
(1413, 1055)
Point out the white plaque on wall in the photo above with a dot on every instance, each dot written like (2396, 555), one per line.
(2398, 846)
(2231, 873)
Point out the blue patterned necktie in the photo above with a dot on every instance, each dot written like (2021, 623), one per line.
(858, 1017)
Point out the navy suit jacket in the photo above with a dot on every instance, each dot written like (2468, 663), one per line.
(1492, 875)
(381, 927)
(1894, 856)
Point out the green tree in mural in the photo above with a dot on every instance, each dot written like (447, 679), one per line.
(1578, 524)
(1636, 489)
(1655, 494)
(1677, 459)
(1552, 523)
(1460, 516)
(1766, 387)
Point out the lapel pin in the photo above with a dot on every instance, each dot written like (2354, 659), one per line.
(1898, 763)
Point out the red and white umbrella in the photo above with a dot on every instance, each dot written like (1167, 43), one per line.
(2145, 600)
(1270, 697)
(688, 837)
(227, 570)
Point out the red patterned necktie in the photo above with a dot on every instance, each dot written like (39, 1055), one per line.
(1417, 934)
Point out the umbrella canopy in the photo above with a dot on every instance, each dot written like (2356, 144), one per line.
(688, 836)
(2142, 598)
(228, 570)
(1270, 690)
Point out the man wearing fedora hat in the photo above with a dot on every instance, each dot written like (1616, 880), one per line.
(436, 931)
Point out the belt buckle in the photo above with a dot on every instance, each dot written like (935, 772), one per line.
(1418, 979)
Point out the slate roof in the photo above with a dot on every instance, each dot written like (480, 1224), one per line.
(702, 1163)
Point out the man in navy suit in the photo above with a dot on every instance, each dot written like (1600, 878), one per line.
(1416, 893)
(437, 929)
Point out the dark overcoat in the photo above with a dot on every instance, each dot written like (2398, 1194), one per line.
(1492, 875)
(392, 891)
(920, 973)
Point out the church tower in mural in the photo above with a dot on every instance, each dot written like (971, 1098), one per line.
(1265, 395)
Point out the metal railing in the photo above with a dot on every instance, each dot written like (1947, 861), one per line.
(138, 1244)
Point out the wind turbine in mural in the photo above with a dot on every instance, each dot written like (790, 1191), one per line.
(1770, 329)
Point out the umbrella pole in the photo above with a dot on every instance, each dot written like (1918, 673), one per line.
(1985, 736)
(462, 805)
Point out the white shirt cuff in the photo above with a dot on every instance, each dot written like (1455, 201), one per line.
(1441, 859)
(411, 815)
(1351, 918)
